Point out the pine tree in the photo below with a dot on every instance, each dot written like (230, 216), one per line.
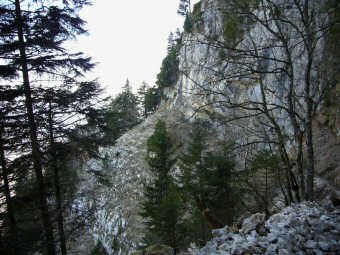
(152, 99)
(63, 103)
(32, 37)
(191, 164)
(220, 190)
(263, 179)
(10, 128)
(207, 178)
(122, 114)
(162, 207)
(148, 98)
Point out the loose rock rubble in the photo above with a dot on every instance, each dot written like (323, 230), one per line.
(304, 228)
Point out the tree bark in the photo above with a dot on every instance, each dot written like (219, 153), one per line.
(15, 247)
(54, 163)
(36, 154)
(212, 221)
(308, 22)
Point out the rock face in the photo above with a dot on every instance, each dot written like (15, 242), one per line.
(117, 180)
(304, 228)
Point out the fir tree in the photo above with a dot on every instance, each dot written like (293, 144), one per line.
(220, 191)
(11, 128)
(207, 179)
(263, 179)
(191, 164)
(162, 208)
(122, 114)
(32, 38)
(149, 99)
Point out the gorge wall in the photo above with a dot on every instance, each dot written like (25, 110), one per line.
(205, 89)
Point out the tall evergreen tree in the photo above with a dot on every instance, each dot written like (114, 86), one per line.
(206, 177)
(192, 168)
(122, 114)
(32, 37)
(65, 102)
(220, 188)
(162, 206)
(11, 116)
(263, 179)
(149, 99)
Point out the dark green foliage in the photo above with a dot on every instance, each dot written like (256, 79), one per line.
(122, 115)
(169, 72)
(192, 179)
(27, 213)
(191, 162)
(46, 27)
(160, 149)
(152, 99)
(232, 29)
(188, 26)
(262, 179)
(208, 178)
(149, 98)
(26, 199)
(162, 208)
(194, 19)
(197, 10)
(98, 249)
(219, 190)
(32, 40)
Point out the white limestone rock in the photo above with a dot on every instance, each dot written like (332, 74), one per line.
(292, 231)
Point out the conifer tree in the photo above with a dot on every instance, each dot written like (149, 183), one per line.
(191, 164)
(122, 114)
(32, 37)
(162, 207)
(263, 179)
(10, 127)
(220, 191)
(149, 99)
(207, 178)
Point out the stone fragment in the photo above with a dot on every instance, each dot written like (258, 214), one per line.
(272, 237)
(323, 245)
(299, 229)
(253, 223)
(310, 244)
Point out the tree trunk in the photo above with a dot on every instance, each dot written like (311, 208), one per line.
(308, 22)
(36, 154)
(299, 159)
(310, 160)
(54, 162)
(212, 221)
(15, 247)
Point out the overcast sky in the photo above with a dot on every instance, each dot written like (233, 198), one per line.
(128, 38)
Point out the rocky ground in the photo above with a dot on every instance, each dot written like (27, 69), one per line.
(304, 228)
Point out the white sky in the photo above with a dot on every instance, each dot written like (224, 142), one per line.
(128, 38)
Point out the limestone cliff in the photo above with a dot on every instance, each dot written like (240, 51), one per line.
(205, 89)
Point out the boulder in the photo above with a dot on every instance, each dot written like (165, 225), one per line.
(254, 222)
